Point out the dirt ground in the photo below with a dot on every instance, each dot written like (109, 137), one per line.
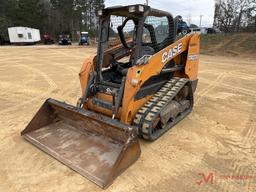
(213, 149)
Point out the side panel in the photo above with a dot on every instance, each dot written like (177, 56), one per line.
(137, 75)
(191, 68)
(87, 67)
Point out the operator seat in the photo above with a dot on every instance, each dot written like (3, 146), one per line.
(145, 50)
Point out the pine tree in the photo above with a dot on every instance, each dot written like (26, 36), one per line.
(29, 13)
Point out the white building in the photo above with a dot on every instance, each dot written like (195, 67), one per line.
(23, 35)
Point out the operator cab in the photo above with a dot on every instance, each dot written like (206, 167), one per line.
(128, 33)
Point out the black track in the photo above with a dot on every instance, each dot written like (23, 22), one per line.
(148, 116)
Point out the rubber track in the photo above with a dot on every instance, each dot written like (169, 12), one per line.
(146, 116)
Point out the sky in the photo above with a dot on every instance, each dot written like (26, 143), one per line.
(190, 10)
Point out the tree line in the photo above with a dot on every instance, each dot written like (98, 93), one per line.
(235, 15)
(53, 17)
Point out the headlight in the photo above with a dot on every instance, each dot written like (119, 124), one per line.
(141, 8)
(132, 9)
(100, 12)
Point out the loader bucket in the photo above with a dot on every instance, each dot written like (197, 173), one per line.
(94, 145)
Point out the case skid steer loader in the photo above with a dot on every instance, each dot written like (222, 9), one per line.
(139, 85)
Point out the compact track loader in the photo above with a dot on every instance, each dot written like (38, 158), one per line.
(139, 85)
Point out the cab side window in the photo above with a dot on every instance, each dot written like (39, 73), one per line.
(146, 38)
(160, 26)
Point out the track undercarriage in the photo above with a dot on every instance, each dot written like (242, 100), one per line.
(166, 108)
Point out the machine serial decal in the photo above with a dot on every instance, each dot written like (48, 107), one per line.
(168, 55)
(193, 57)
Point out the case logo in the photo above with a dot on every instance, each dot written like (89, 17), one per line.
(168, 55)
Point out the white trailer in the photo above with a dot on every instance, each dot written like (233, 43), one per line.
(24, 35)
